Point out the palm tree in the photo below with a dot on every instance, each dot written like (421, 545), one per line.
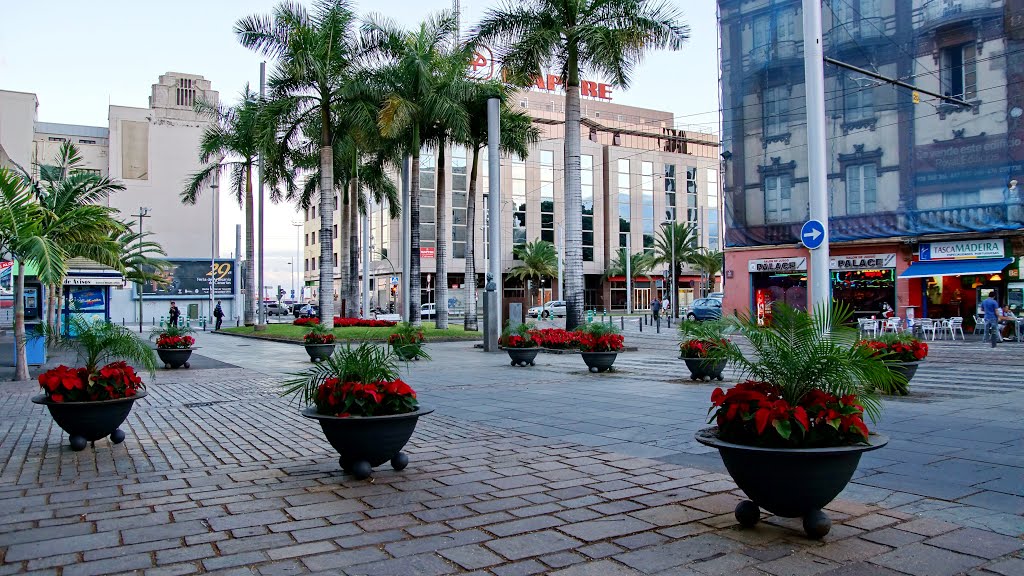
(640, 263)
(231, 142)
(684, 236)
(709, 263)
(420, 105)
(517, 134)
(540, 261)
(603, 37)
(315, 55)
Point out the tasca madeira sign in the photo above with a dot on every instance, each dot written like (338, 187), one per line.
(483, 67)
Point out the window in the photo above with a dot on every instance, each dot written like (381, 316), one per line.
(428, 197)
(670, 190)
(314, 211)
(624, 209)
(776, 111)
(691, 196)
(518, 202)
(312, 237)
(335, 259)
(587, 189)
(460, 201)
(305, 264)
(547, 196)
(56, 139)
(858, 100)
(84, 141)
(959, 76)
(307, 239)
(93, 171)
(647, 204)
(778, 191)
(335, 230)
(860, 188)
(134, 150)
(185, 96)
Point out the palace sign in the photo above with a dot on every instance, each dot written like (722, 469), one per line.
(798, 264)
(863, 262)
(482, 67)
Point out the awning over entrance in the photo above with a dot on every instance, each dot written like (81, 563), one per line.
(955, 267)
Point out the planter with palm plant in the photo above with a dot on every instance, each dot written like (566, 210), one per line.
(174, 345)
(519, 343)
(365, 409)
(92, 401)
(791, 435)
(319, 342)
(407, 342)
(700, 341)
(600, 345)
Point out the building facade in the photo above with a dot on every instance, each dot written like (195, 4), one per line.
(925, 210)
(152, 151)
(635, 167)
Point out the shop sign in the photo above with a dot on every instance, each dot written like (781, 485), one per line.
(798, 264)
(427, 252)
(482, 66)
(94, 281)
(958, 249)
(862, 262)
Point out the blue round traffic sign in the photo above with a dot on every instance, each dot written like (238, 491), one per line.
(812, 234)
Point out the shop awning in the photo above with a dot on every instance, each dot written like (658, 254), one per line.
(955, 267)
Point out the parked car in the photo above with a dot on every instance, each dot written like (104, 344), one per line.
(278, 309)
(719, 295)
(306, 311)
(705, 309)
(552, 308)
(429, 310)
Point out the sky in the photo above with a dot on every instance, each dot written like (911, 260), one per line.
(79, 57)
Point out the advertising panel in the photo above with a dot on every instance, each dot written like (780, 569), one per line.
(190, 279)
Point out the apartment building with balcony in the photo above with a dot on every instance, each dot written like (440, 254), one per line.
(925, 210)
(636, 166)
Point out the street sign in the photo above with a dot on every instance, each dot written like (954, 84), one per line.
(394, 280)
(812, 234)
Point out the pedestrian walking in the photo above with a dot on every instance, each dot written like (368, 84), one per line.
(218, 313)
(667, 307)
(991, 309)
(173, 314)
(655, 308)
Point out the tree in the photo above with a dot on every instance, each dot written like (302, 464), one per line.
(231, 142)
(315, 54)
(685, 236)
(539, 261)
(517, 134)
(603, 37)
(420, 105)
(640, 263)
(709, 263)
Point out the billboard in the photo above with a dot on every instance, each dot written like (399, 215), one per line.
(190, 279)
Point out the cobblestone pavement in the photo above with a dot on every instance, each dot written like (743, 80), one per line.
(548, 470)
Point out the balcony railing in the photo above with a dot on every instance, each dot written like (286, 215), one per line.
(856, 31)
(782, 50)
(938, 12)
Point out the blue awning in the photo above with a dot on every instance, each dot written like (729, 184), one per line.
(955, 267)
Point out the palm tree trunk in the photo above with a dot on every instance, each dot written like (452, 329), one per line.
(414, 233)
(21, 362)
(353, 250)
(58, 320)
(344, 268)
(51, 293)
(573, 198)
(441, 244)
(470, 322)
(250, 252)
(326, 232)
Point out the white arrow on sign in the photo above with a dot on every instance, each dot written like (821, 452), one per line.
(813, 234)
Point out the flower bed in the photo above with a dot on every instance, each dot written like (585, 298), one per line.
(556, 338)
(897, 347)
(168, 342)
(311, 321)
(113, 381)
(362, 323)
(755, 413)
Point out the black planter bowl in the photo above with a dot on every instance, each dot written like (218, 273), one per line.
(599, 361)
(367, 441)
(407, 352)
(90, 421)
(523, 356)
(789, 482)
(907, 370)
(319, 352)
(704, 369)
(175, 357)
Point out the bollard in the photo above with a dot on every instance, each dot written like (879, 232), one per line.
(622, 321)
(657, 325)
(640, 323)
(122, 321)
(669, 320)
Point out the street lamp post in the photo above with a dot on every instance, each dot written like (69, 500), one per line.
(298, 241)
(291, 274)
(674, 294)
(213, 239)
(143, 213)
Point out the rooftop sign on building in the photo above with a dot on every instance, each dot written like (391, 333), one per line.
(483, 67)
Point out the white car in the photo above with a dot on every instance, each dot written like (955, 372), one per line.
(552, 308)
(428, 310)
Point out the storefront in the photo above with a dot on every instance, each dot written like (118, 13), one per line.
(954, 277)
(864, 282)
(777, 280)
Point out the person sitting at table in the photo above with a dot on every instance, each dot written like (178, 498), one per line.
(1008, 323)
(887, 311)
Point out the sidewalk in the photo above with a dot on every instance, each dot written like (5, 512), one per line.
(220, 474)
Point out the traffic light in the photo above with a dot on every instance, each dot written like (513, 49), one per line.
(394, 290)
(280, 292)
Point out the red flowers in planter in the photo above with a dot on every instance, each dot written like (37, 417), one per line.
(311, 321)
(174, 342)
(516, 341)
(318, 338)
(603, 343)
(755, 413)
(370, 399)
(113, 381)
(697, 348)
(899, 348)
(556, 338)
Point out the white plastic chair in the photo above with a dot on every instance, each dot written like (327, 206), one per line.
(867, 326)
(927, 325)
(979, 325)
(893, 325)
(956, 324)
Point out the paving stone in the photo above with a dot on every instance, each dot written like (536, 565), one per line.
(849, 550)
(471, 557)
(521, 568)
(640, 540)
(281, 568)
(716, 503)
(923, 560)
(1007, 567)
(45, 548)
(420, 564)
(976, 542)
(233, 560)
(861, 569)
(562, 559)
(669, 515)
(678, 553)
(602, 568)
(927, 527)
(534, 544)
(321, 509)
(726, 564)
(609, 527)
(109, 566)
(797, 565)
(343, 558)
(524, 525)
(600, 550)
(892, 537)
(435, 543)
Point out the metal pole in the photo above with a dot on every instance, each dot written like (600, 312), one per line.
(675, 293)
(561, 256)
(239, 306)
(366, 259)
(494, 206)
(143, 213)
(213, 238)
(814, 89)
(629, 277)
(261, 318)
(298, 247)
(406, 238)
